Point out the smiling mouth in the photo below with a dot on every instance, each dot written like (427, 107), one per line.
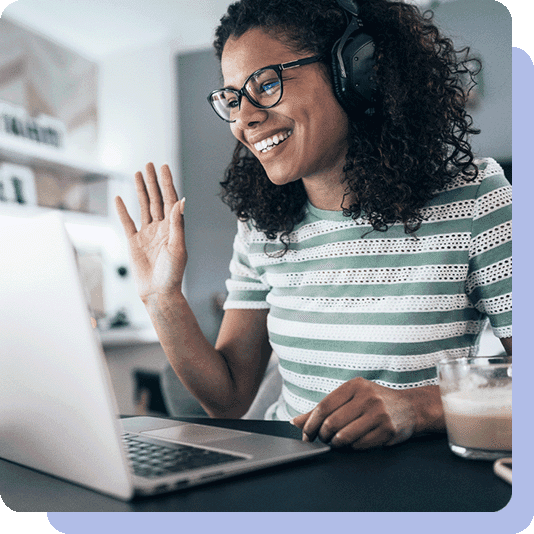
(269, 143)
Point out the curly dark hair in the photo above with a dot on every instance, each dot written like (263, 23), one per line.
(415, 143)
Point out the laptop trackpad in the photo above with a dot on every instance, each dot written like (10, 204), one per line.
(194, 434)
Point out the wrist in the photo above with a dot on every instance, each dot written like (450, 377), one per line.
(427, 409)
(163, 305)
(162, 298)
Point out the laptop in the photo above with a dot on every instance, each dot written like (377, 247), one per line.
(58, 411)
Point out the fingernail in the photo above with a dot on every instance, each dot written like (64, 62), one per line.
(305, 437)
(292, 422)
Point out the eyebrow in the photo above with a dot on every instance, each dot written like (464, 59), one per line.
(270, 65)
(232, 88)
(283, 66)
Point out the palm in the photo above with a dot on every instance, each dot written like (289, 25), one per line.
(158, 267)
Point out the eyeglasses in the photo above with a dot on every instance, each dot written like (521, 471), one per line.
(262, 88)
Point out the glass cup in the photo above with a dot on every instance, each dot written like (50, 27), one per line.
(477, 402)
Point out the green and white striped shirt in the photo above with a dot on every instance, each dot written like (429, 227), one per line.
(346, 302)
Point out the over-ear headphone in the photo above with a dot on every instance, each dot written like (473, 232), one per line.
(354, 76)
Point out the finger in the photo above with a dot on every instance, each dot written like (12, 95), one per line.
(338, 420)
(176, 227)
(353, 431)
(124, 216)
(168, 191)
(300, 420)
(325, 408)
(154, 193)
(375, 437)
(142, 196)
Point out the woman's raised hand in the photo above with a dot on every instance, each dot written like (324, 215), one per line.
(157, 249)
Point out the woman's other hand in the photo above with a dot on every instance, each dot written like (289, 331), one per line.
(361, 414)
(157, 249)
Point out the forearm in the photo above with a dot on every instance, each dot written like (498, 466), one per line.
(202, 369)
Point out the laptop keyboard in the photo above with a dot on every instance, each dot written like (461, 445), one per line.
(149, 459)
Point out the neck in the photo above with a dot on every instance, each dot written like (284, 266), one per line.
(326, 191)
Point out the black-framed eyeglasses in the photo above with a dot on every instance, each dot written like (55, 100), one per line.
(262, 88)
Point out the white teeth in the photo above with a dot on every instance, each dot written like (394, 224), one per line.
(270, 142)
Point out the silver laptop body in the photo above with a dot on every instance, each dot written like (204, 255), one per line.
(58, 413)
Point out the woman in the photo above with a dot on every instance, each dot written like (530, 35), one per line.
(370, 242)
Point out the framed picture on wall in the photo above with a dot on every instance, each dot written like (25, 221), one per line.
(17, 184)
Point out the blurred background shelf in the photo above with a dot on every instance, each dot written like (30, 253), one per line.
(126, 336)
(24, 152)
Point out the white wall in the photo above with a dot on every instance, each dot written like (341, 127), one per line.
(137, 108)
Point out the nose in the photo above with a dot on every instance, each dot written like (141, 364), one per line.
(249, 115)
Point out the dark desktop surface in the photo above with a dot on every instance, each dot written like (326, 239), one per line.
(420, 475)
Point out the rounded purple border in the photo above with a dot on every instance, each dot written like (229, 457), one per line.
(514, 518)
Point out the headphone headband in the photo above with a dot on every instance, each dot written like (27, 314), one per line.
(350, 6)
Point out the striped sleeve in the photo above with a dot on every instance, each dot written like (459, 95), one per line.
(246, 289)
(489, 282)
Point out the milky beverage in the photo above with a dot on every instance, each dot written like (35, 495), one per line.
(480, 418)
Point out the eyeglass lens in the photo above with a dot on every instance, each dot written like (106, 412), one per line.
(263, 89)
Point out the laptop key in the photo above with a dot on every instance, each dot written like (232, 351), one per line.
(153, 460)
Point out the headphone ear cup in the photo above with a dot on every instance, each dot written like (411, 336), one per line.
(355, 81)
(338, 80)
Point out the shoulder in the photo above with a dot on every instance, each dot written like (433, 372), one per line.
(494, 193)
(490, 177)
(467, 198)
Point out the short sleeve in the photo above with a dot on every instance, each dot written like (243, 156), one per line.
(246, 289)
(489, 282)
